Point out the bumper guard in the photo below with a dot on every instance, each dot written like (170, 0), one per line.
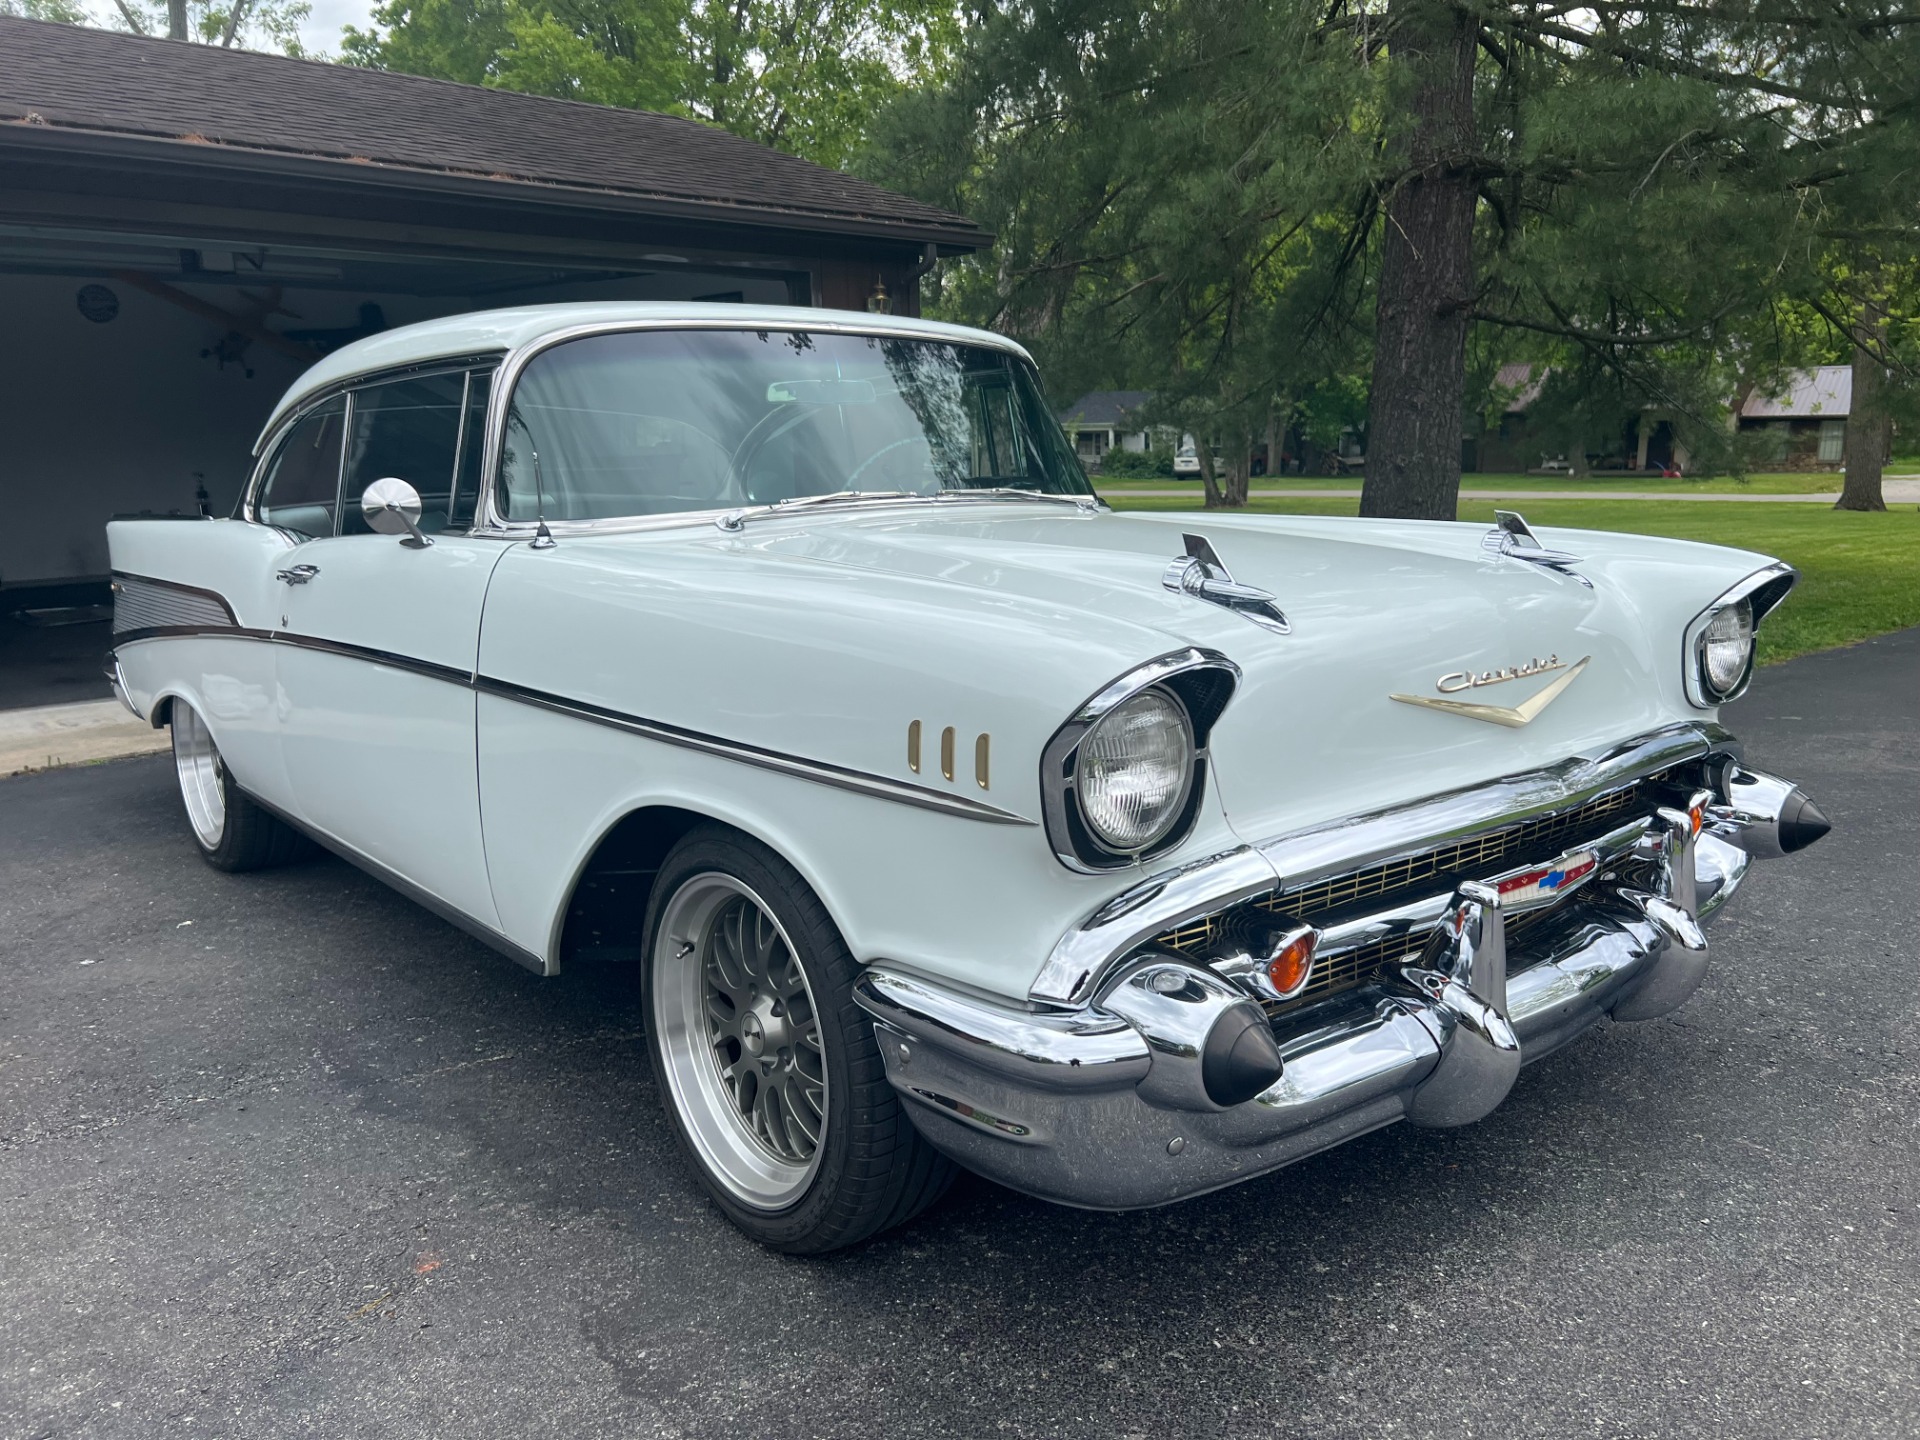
(1111, 1105)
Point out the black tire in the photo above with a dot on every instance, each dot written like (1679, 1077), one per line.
(871, 1168)
(231, 832)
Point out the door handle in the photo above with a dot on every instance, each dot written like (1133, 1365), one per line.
(297, 574)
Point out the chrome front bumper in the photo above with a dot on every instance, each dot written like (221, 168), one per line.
(1100, 1105)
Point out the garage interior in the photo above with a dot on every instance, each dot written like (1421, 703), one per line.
(184, 229)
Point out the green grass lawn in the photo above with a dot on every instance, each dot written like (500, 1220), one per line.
(1792, 484)
(1859, 573)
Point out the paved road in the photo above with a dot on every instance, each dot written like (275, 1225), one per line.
(1895, 492)
(283, 1155)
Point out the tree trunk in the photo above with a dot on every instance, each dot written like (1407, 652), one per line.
(176, 19)
(1426, 277)
(1869, 427)
(1239, 470)
(1203, 450)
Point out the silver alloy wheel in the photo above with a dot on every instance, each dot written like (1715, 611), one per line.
(197, 759)
(741, 1040)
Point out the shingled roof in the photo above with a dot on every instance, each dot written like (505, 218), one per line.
(1824, 392)
(1105, 407)
(177, 93)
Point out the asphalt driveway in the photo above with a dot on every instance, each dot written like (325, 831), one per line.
(284, 1155)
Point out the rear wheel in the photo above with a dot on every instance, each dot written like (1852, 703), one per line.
(767, 1068)
(233, 833)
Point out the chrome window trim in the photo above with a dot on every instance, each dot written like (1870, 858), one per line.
(271, 437)
(269, 445)
(1765, 588)
(1085, 954)
(487, 518)
(346, 452)
(379, 375)
(1059, 759)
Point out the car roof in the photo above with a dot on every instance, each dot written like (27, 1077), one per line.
(488, 332)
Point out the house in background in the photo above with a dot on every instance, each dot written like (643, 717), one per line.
(1804, 427)
(1511, 445)
(1515, 444)
(1106, 420)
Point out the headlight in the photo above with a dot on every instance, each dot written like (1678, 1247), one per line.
(1124, 778)
(1718, 645)
(1134, 769)
(1726, 650)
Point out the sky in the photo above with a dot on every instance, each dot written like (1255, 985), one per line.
(322, 30)
(320, 34)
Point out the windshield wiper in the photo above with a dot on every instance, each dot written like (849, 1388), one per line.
(1088, 503)
(734, 519)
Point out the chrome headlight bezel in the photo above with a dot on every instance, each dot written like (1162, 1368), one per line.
(1760, 592)
(1200, 682)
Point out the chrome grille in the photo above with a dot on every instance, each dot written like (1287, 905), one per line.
(1472, 858)
(1411, 877)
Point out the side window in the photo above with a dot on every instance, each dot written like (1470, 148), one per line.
(473, 450)
(302, 484)
(996, 436)
(409, 429)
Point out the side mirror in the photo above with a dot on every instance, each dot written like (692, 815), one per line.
(392, 507)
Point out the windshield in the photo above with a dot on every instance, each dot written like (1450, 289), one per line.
(653, 422)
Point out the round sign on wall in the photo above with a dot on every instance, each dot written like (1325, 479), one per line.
(97, 303)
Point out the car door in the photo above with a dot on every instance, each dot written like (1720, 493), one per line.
(196, 603)
(377, 642)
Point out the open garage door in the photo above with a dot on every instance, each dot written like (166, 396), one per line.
(138, 375)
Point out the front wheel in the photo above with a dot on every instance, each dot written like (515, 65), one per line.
(767, 1068)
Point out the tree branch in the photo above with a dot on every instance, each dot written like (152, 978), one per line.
(1654, 169)
(235, 18)
(1673, 65)
(1588, 337)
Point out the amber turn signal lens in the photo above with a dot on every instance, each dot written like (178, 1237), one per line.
(1290, 968)
(1698, 815)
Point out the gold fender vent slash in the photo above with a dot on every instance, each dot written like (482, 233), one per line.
(982, 754)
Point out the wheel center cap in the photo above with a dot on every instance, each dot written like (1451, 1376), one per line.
(753, 1034)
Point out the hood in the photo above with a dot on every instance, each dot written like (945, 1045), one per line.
(1377, 609)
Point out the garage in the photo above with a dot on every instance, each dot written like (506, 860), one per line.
(184, 229)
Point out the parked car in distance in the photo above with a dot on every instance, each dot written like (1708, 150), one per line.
(946, 816)
(1186, 461)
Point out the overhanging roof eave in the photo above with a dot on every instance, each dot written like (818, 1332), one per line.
(515, 192)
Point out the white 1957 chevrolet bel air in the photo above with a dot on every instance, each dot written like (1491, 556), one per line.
(948, 815)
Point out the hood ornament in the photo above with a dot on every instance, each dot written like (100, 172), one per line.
(1513, 716)
(1512, 537)
(1200, 574)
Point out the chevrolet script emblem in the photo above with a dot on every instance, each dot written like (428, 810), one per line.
(1511, 716)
